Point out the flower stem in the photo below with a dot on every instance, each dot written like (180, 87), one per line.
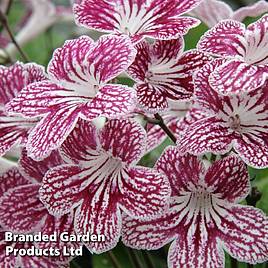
(4, 21)
(162, 124)
(134, 259)
(113, 260)
(147, 259)
(253, 197)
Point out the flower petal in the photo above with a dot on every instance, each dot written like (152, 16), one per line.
(254, 10)
(144, 193)
(227, 38)
(212, 11)
(35, 170)
(16, 77)
(99, 216)
(229, 178)
(206, 135)
(253, 152)
(124, 139)
(151, 97)
(111, 56)
(67, 64)
(188, 251)
(51, 132)
(181, 170)
(236, 76)
(37, 261)
(81, 140)
(150, 234)
(245, 234)
(62, 188)
(257, 42)
(12, 178)
(21, 210)
(111, 101)
(37, 99)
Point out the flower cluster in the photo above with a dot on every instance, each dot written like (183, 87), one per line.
(80, 135)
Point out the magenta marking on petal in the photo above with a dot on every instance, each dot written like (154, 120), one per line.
(124, 139)
(21, 210)
(227, 38)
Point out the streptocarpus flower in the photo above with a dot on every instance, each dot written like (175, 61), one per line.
(156, 19)
(213, 11)
(246, 50)
(22, 212)
(163, 72)
(237, 121)
(204, 216)
(14, 129)
(102, 180)
(78, 87)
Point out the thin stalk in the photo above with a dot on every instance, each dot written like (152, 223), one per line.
(165, 128)
(134, 258)
(4, 21)
(113, 260)
(147, 259)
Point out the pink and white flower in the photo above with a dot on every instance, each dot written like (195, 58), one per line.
(237, 121)
(156, 19)
(15, 129)
(246, 50)
(102, 180)
(78, 87)
(163, 72)
(204, 216)
(22, 212)
(213, 11)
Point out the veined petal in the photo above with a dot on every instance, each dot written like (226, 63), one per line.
(101, 216)
(59, 225)
(11, 133)
(111, 56)
(235, 76)
(67, 63)
(21, 210)
(177, 169)
(111, 101)
(150, 234)
(245, 234)
(12, 178)
(124, 140)
(35, 170)
(80, 142)
(229, 179)
(62, 188)
(206, 99)
(51, 131)
(38, 99)
(138, 69)
(206, 135)
(151, 97)
(172, 28)
(253, 152)
(257, 39)
(193, 251)
(16, 77)
(144, 192)
(226, 39)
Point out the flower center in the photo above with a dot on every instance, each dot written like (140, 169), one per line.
(235, 122)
